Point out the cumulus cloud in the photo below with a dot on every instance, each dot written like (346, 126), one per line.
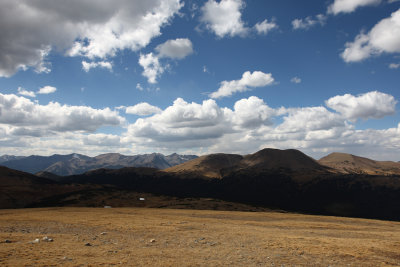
(310, 119)
(308, 22)
(152, 67)
(175, 49)
(248, 80)
(86, 66)
(93, 29)
(22, 91)
(24, 115)
(252, 113)
(185, 123)
(224, 18)
(172, 49)
(142, 109)
(265, 27)
(365, 106)
(295, 80)
(46, 90)
(348, 6)
(384, 37)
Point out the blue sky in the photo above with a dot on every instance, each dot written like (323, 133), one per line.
(200, 77)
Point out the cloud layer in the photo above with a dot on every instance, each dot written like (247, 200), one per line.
(201, 127)
(25, 117)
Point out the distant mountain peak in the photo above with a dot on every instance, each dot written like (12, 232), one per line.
(76, 163)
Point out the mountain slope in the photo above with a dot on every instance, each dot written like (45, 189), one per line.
(5, 158)
(63, 165)
(210, 166)
(220, 165)
(351, 164)
(34, 164)
(276, 159)
(18, 189)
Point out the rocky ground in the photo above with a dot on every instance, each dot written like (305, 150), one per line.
(170, 237)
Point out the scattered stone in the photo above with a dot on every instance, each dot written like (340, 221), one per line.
(152, 240)
(103, 233)
(36, 241)
(7, 241)
(200, 239)
(67, 259)
(46, 239)
(88, 244)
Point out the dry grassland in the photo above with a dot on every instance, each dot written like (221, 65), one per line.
(168, 237)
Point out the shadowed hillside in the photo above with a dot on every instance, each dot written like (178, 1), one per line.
(211, 166)
(281, 179)
(19, 189)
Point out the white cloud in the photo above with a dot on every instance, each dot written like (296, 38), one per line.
(93, 29)
(139, 87)
(86, 66)
(142, 109)
(265, 27)
(152, 67)
(175, 49)
(224, 18)
(24, 115)
(295, 80)
(369, 105)
(394, 65)
(102, 140)
(348, 6)
(248, 80)
(252, 113)
(22, 91)
(310, 119)
(46, 90)
(308, 22)
(184, 123)
(384, 37)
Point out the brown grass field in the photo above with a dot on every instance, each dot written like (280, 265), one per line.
(172, 237)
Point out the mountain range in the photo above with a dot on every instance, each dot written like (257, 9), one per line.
(271, 178)
(71, 164)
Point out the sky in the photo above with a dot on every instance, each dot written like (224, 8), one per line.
(200, 77)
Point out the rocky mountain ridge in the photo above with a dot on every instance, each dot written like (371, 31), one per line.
(71, 164)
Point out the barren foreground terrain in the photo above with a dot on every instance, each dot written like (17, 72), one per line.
(168, 237)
